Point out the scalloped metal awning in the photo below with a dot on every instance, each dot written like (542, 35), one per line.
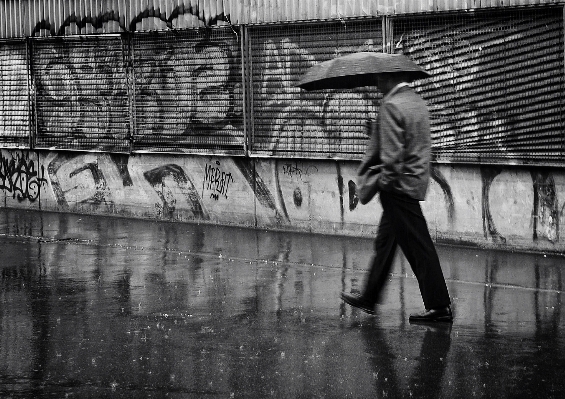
(22, 18)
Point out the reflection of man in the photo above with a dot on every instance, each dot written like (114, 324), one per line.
(425, 379)
(403, 160)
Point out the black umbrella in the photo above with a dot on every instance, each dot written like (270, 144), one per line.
(356, 70)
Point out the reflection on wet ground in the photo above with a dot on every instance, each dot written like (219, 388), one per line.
(94, 307)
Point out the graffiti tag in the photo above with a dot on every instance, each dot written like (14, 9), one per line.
(295, 169)
(19, 176)
(217, 180)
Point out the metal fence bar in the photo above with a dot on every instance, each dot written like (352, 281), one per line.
(14, 93)
(81, 94)
(290, 122)
(31, 99)
(130, 85)
(189, 91)
(245, 91)
(497, 82)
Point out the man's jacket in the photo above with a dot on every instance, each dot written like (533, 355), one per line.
(401, 147)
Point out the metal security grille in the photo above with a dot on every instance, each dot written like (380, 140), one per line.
(188, 91)
(288, 121)
(14, 94)
(497, 90)
(81, 93)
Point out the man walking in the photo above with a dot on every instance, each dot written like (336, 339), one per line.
(400, 152)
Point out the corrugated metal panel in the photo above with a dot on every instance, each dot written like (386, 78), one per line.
(81, 93)
(21, 18)
(497, 91)
(188, 91)
(11, 19)
(291, 122)
(14, 94)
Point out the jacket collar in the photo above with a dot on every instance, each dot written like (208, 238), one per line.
(395, 89)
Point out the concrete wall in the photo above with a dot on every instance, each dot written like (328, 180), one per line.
(491, 206)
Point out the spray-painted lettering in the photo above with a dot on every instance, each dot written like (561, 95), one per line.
(217, 181)
(19, 176)
(297, 169)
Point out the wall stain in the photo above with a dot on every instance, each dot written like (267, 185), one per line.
(488, 174)
(261, 190)
(440, 179)
(545, 213)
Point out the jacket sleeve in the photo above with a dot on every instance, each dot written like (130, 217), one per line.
(392, 140)
(372, 156)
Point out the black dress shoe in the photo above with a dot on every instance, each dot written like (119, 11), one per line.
(358, 302)
(442, 314)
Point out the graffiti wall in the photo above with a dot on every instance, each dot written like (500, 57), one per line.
(179, 91)
(492, 206)
(208, 125)
(496, 91)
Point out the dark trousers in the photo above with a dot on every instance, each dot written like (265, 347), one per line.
(403, 224)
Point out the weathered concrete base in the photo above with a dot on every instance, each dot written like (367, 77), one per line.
(507, 207)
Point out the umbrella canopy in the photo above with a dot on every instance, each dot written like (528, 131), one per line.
(355, 70)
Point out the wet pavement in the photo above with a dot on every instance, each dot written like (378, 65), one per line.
(100, 307)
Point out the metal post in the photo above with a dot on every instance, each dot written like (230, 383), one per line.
(388, 35)
(242, 35)
(563, 76)
(247, 89)
(127, 42)
(32, 100)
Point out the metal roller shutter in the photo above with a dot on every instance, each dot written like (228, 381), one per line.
(81, 93)
(14, 94)
(496, 94)
(288, 121)
(188, 91)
